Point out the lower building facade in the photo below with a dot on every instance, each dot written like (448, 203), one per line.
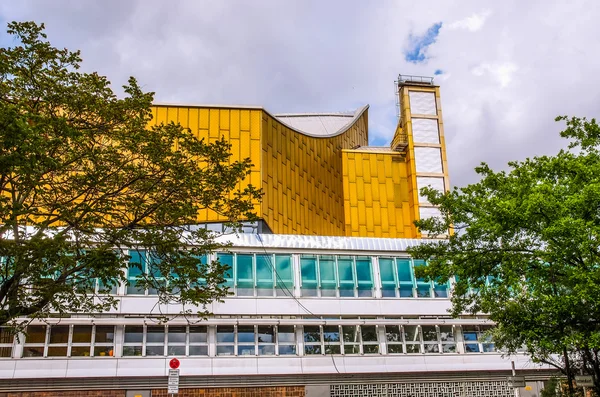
(307, 316)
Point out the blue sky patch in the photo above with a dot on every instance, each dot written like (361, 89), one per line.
(438, 72)
(418, 44)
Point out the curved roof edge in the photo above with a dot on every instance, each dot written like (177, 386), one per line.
(320, 125)
(316, 125)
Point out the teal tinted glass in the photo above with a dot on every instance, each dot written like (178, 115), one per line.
(386, 269)
(227, 260)
(327, 272)
(152, 262)
(418, 263)
(264, 271)
(308, 269)
(404, 271)
(406, 290)
(283, 265)
(345, 273)
(244, 270)
(136, 263)
(363, 272)
(440, 290)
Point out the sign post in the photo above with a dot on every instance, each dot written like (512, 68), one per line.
(173, 382)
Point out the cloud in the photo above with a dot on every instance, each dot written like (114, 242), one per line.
(472, 23)
(501, 87)
(502, 72)
(417, 49)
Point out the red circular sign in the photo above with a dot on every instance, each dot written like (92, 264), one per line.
(174, 363)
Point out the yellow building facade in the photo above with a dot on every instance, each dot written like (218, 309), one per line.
(317, 172)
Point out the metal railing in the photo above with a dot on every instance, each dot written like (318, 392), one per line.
(407, 79)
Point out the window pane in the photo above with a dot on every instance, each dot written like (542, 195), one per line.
(227, 260)
(331, 333)
(155, 335)
(106, 351)
(36, 334)
(449, 348)
(312, 349)
(225, 350)
(225, 334)
(264, 271)
(370, 349)
(429, 333)
(283, 264)
(327, 272)
(80, 351)
(395, 349)
(6, 336)
(351, 349)
(431, 348)
(244, 271)
(308, 269)
(363, 272)
(155, 350)
(411, 333)
(441, 290)
(423, 290)
(406, 290)
(404, 272)
(59, 334)
(134, 334)
(246, 350)
(369, 333)
(131, 351)
(33, 351)
(266, 334)
(488, 347)
(136, 263)
(345, 274)
(287, 350)
(470, 334)
(82, 334)
(58, 351)
(245, 334)
(266, 350)
(198, 334)
(176, 335)
(285, 333)
(386, 269)
(105, 334)
(153, 268)
(175, 350)
(412, 348)
(198, 350)
(350, 333)
(332, 349)
(6, 351)
(447, 333)
(312, 333)
(392, 333)
(472, 347)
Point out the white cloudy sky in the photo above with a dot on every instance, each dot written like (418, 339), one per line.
(507, 67)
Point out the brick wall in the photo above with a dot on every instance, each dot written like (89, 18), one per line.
(77, 393)
(282, 391)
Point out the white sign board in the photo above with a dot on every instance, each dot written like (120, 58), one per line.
(584, 380)
(173, 383)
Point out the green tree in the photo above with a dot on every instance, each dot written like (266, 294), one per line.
(525, 248)
(84, 182)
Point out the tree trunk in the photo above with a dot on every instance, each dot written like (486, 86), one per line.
(569, 374)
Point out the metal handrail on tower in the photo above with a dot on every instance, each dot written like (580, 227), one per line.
(409, 79)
